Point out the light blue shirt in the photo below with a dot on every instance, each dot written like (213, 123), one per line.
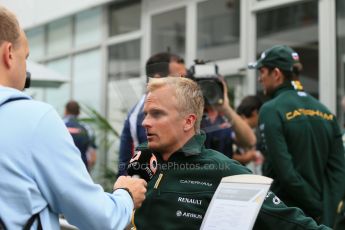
(41, 171)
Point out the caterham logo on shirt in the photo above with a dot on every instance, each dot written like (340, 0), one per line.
(308, 112)
(196, 182)
(189, 200)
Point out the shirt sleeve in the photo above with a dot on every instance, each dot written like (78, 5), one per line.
(280, 159)
(334, 185)
(91, 135)
(275, 214)
(126, 147)
(65, 183)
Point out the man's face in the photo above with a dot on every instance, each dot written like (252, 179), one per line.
(267, 80)
(20, 54)
(163, 122)
(177, 69)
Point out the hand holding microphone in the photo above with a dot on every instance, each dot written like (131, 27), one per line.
(142, 165)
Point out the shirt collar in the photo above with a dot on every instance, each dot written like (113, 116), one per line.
(282, 88)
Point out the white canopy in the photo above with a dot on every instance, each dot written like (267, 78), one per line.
(42, 76)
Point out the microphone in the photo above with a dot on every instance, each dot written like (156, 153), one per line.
(143, 165)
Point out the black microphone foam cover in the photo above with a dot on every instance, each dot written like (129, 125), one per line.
(143, 164)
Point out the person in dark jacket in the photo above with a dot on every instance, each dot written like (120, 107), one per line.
(302, 140)
(82, 135)
(225, 128)
(188, 173)
(249, 112)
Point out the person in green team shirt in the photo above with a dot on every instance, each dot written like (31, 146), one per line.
(188, 174)
(303, 146)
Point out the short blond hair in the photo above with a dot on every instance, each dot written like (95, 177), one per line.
(188, 95)
(9, 27)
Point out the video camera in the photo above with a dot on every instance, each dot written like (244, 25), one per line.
(208, 78)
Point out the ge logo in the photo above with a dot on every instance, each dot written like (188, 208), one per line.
(178, 213)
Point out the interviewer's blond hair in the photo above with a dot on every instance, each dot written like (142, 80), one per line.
(9, 27)
(188, 95)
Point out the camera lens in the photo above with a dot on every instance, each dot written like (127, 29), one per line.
(212, 91)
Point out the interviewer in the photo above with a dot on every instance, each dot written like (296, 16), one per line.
(42, 174)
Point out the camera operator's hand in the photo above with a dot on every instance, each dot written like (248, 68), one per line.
(225, 107)
(245, 136)
(135, 186)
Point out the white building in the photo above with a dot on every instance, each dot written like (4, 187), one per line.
(102, 45)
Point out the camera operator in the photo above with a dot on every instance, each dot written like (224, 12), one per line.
(220, 122)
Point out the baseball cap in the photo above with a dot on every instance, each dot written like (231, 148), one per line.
(280, 56)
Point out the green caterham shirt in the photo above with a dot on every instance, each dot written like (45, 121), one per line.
(181, 190)
(303, 153)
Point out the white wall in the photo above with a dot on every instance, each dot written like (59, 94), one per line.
(36, 12)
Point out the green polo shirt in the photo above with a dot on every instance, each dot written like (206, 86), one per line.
(303, 152)
(181, 190)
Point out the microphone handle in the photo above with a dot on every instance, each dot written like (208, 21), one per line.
(136, 176)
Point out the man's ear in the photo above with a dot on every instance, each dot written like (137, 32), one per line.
(189, 122)
(7, 54)
(278, 75)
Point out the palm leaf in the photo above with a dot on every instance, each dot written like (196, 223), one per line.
(97, 120)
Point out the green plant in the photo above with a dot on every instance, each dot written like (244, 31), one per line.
(98, 120)
(106, 137)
